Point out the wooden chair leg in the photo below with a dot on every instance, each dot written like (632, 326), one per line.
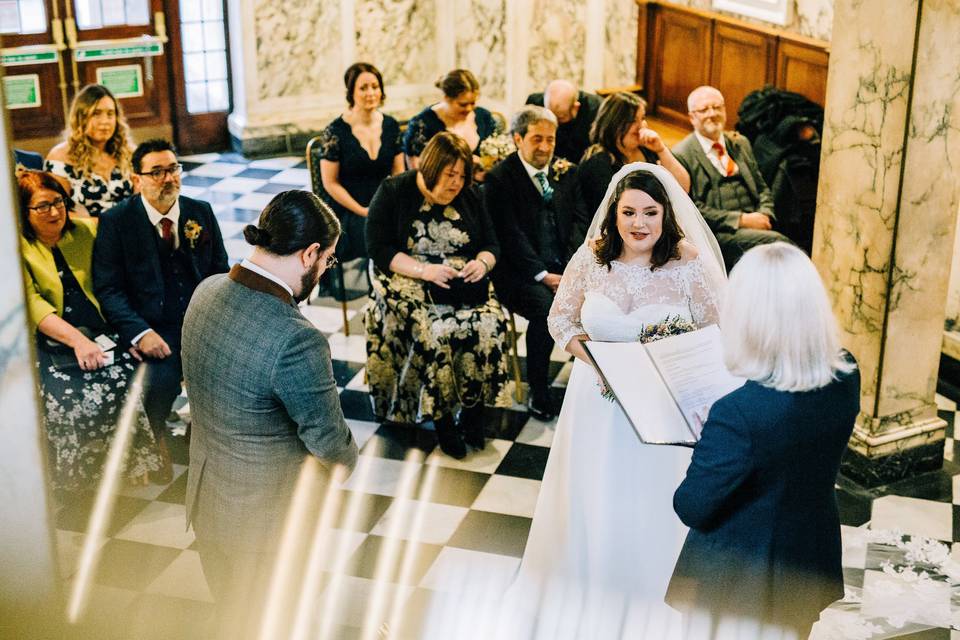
(346, 321)
(515, 358)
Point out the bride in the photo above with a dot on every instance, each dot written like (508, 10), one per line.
(604, 538)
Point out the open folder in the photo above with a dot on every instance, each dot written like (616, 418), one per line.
(666, 387)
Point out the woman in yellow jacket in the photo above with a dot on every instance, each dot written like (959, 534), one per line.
(83, 381)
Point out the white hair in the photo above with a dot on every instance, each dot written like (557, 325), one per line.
(778, 327)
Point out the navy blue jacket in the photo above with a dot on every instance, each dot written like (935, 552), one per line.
(127, 277)
(760, 502)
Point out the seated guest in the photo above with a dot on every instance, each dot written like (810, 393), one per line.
(358, 150)
(764, 540)
(94, 160)
(620, 135)
(575, 110)
(725, 183)
(531, 198)
(81, 390)
(436, 335)
(151, 253)
(457, 112)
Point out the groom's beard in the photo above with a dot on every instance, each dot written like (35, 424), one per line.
(307, 282)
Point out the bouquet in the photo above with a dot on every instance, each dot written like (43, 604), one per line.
(669, 326)
(494, 149)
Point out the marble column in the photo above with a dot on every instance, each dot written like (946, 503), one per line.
(30, 600)
(886, 218)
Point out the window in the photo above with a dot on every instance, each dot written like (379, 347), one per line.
(97, 14)
(23, 16)
(204, 55)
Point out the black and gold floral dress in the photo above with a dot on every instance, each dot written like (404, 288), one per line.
(91, 190)
(426, 360)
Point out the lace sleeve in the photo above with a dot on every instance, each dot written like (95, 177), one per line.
(564, 319)
(703, 299)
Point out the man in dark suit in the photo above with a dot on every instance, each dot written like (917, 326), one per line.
(264, 403)
(531, 197)
(725, 182)
(151, 252)
(575, 110)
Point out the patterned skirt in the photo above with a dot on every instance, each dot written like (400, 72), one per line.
(426, 361)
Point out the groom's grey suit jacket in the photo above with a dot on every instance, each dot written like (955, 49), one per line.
(262, 398)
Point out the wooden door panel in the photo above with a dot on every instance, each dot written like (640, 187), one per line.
(742, 62)
(802, 69)
(682, 50)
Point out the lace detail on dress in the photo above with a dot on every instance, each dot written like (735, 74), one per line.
(329, 145)
(679, 286)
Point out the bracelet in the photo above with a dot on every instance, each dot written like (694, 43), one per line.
(418, 271)
(486, 265)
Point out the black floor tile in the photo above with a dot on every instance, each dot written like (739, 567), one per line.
(300, 165)
(258, 174)
(356, 405)
(179, 449)
(276, 187)
(189, 166)
(926, 634)
(853, 577)
(956, 522)
(454, 487)
(504, 424)
(132, 565)
(220, 197)
(854, 507)
(948, 417)
(75, 514)
(935, 485)
(524, 461)
(233, 158)
(492, 533)
(238, 215)
(393, 441)
(344, 371)
(176, 493)
(363, 564)
(372, 507)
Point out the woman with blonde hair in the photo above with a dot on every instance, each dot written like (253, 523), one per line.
(94, 161)
(763, 552)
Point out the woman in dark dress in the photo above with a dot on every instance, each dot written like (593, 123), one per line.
(358, 150)
(436, 334)
(457, 112)
(762, 557)
(619, 136)
(81, 393)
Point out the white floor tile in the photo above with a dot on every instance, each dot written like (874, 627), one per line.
(455, 568)
(238, 185)
(362, 430)
(230, 228)
(326, 319)
(355, 596)
(439, 521)
(509, 495)
(352, 348)
(357, 383)
(913, 516)
(253, 201)
(237, 250)
(945, 404)
(537, 433)
(383, 478)
(183, 578)
(201, 157)
(854, 541)
(218, 170)
(192, 191)
(286, 162)
(160, 523)
(299, 177)
(485, 461)
(69, 547)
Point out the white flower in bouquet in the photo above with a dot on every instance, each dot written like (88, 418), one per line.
(495, 148)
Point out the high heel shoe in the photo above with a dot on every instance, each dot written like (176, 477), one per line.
(451, 443)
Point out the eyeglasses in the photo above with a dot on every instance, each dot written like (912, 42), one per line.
(331, 262)
(44, 207)
(702, 111)
(160, 174)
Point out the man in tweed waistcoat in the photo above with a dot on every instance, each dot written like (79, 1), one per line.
(263, 400)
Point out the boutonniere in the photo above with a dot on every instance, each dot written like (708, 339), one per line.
(560, 167)
(192, 231)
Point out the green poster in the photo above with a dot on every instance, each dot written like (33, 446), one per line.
(22, 92)
(123, 82)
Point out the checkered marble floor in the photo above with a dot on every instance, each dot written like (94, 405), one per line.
(149, 582)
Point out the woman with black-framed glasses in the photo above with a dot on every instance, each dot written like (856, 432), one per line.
(83, 382)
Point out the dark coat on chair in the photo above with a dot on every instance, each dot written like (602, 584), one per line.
(127, 276)
(573, 137)
(759, 499)
(514, 204)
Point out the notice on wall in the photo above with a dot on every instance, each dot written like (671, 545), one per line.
(123, 82)
(22, 92)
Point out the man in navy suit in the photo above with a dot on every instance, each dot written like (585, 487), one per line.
(151, 252)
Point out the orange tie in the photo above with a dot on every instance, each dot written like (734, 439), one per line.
(725, 160)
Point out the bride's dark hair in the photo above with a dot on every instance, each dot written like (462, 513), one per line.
(609, 245)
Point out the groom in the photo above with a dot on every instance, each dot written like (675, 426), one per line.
(531, 198)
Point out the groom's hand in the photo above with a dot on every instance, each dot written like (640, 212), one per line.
(552, 280)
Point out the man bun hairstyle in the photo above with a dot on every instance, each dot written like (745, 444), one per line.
(291, 222)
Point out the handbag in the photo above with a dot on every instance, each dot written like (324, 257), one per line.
(460, 293)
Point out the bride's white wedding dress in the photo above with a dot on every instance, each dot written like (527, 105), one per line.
(605, 538)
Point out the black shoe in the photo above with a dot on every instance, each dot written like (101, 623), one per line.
(541, 408)
(471, 423)
(451, 443)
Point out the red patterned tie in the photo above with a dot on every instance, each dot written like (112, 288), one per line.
(166, 232)
(725, 160)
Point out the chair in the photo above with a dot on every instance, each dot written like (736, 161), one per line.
(514, 356)
(316, 184)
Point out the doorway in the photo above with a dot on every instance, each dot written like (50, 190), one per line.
(165, 60)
